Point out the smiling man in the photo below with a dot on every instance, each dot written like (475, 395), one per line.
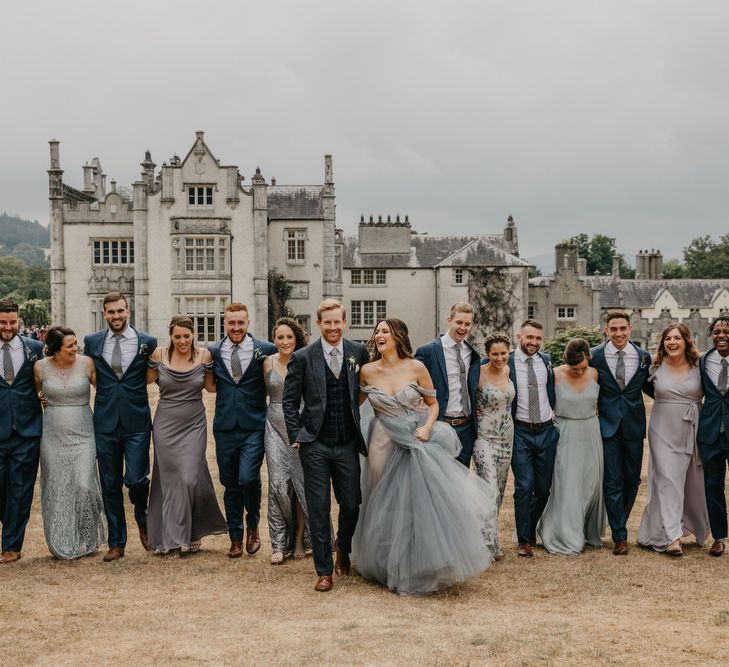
(454, 365)
(239, 425)
(622, 371)
(321, 409)
(713, 432)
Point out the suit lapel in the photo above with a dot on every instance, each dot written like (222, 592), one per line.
(440, 356)
(136, 353)
(253, 358)
(317, 363)
(640, 365)
(601, 359)
(351, 375)
(218, 359)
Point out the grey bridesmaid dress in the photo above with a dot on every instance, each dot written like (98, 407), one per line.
(575, 512)
(183, 507)
(676, 504)
(71, 505)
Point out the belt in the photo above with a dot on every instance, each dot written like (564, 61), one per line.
(534, 426)
(456, 421)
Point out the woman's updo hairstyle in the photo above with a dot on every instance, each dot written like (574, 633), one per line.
(577, 351)
(493, 339)
(54, 339)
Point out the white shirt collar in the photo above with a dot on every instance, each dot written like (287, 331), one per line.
(611, 349)
(448, 341)
(246, 342)
(522, 356)
(126, 334)
(328, 348)
(16, 342)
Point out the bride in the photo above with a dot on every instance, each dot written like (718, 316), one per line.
(424, 516)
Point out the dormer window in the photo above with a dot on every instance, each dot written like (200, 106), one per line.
(200, 195)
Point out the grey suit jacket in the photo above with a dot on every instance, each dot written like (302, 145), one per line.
(306, 380)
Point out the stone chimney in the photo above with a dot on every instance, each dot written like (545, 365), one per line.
(616, 266)
(581, 266)
(511, 237)
(649, 265)
(392, 238)
(148, 170)
(565, 257)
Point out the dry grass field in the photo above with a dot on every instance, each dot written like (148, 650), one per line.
(205, 609)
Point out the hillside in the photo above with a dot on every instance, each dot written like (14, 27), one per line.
(14, 231)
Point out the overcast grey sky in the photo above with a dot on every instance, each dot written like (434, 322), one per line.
(571, 116)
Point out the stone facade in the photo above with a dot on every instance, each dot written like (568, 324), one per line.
(188, 239)
(569, 298)
(391, 271)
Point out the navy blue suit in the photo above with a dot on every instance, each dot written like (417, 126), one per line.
(238, 426)
(21, 425)
(714, 449)
(622, 426)
(431, 354)
(122, 425)
(532, 460)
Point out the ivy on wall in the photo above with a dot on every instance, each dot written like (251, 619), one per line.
(279, 292)
(492, 293)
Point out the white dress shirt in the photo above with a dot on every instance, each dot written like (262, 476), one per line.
(245, 354)
(17, 354)
(127, 342)
(328, 353)
(712, 364)
(631, 359)
(522, 387)
(455, 407)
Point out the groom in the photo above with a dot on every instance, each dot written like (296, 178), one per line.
(325, 374)
(454, 365)
(21, 423)
(122, 420)
(622, 371)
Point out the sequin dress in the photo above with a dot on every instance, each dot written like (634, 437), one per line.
(71, 504)
(285, 476)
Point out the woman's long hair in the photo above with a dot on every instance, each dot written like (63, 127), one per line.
(691, 353)
(399, 331)
(186, 323)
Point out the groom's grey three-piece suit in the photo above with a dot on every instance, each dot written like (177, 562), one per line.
(327, 428)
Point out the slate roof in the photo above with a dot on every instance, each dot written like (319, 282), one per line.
(631, 293)
(429, 251)
(72, 194)
(295, 202)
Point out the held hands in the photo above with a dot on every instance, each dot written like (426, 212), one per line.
(43, 399)
(296, 445)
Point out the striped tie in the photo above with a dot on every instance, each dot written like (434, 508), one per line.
(116, 357)
(465, 398)
(235, 366)
(535, 414)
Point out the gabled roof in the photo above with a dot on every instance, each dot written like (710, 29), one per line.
(295, 202)
(430, 251)
(72, 194)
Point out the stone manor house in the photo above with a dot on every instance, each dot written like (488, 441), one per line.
(194, 235)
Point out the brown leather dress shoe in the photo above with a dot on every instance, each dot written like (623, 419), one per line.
(342, 564)
(525, 551)
(717, 549)
(236, 549)
(10, 557)
(621, 548)
(114, 553)
(253, 542)
(323, 584)
(143, 537)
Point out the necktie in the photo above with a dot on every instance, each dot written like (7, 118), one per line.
(235, 366)
(465, 398)
(335, 364)
(723, 377)
(620, 370)
(9, 371)
(116, 357)
(535, 414)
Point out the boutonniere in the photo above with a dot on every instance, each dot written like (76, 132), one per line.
(258, 353)
(143, 348)
(29, 354)
(644, 362)
(352, 363)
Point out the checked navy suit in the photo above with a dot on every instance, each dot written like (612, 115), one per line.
(122, 425)
(238, 427)
(21, 425)
(327, 428)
